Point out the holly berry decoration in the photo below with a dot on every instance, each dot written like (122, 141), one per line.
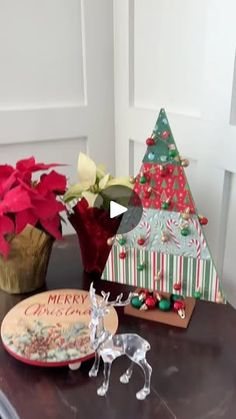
(150, 141)
(177, 286)
(141, 241)
(122, 255)
(165, 135)
(202, 220)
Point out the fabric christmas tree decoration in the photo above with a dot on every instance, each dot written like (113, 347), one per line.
(168, 250)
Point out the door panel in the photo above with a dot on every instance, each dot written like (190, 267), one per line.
(57, 81)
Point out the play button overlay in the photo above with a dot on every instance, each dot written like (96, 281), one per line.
(116, 209)
(121, 203)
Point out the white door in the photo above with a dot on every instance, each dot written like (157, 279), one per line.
(180, 54)
(56, 81)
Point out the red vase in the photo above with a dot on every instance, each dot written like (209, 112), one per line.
(93, 227)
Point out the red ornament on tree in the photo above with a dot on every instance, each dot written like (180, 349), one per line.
(141, 241)
(150, 302)
(165, 135)
(177, 286)
(179, 305)
(150, 141)
(122, 255)
(202, 220)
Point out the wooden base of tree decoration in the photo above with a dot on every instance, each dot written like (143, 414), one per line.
(167, 317)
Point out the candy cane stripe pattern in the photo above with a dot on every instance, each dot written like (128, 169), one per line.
(169, 224)
(198, 246)
(146, 225)
(199, 231)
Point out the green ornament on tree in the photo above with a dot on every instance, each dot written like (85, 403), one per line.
(136, 302)
(197, 295)
(173, 153)
(140, 267)
(164, 305)
(122, 241)
(165, 205)
(185, 231)
(176, 297)
(143, 180)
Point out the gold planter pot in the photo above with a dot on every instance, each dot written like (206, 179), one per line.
(26, 266)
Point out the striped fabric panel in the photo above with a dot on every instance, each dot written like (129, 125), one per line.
(192, 273)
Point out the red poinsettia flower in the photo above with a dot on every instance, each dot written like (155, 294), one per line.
(29, 165)
(24, 201)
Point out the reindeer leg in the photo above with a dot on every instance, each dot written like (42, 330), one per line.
(147, 369)
(101, 391)
(94, 370)
(127, 375)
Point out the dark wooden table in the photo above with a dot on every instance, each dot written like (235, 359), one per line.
(194, 370)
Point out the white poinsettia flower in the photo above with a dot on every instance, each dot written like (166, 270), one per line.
(92, 180)
(104, 181)
(86, 170)
(101, 171)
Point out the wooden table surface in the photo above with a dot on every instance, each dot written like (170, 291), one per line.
(194, 370)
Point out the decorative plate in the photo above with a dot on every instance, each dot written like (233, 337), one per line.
(51, 328)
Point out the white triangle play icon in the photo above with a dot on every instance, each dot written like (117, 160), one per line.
(116, 209)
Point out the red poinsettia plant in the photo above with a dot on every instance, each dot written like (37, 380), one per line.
(24, 200)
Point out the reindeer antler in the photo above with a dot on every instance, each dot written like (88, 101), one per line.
(117, 302)
(92, 294)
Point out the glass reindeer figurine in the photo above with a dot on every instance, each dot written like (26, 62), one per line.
(110, 347)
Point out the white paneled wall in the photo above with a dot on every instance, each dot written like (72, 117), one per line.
(64, 77)
(179, 54)
(56, 81)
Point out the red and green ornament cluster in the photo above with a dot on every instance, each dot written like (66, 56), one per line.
(150, 300)
(161, 183)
